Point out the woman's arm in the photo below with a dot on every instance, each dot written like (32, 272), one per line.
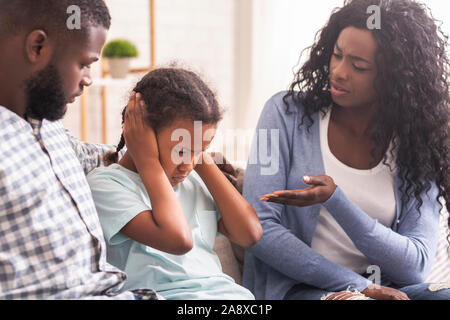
(404, 256)
(164, 227)
(239, 221)
(90, 155)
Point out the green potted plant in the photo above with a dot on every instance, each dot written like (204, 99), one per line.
(119, 53)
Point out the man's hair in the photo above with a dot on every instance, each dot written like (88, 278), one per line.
(51, 16)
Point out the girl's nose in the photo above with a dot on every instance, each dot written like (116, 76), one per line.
(185, 167)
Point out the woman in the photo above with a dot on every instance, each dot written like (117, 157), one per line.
(366, 124)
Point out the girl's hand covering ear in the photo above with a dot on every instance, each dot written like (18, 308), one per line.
(320, 190)
(140, 138)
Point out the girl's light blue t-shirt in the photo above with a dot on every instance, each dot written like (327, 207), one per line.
(119, 196)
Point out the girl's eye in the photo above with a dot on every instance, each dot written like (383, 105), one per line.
(337, 56)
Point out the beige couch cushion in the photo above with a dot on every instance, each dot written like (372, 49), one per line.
(230, 264)
(440, 272)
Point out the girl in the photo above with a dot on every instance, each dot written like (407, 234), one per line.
(366, 124)
(162, 204)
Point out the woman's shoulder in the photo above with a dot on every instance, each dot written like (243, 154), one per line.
(284, 103)
(283, 110)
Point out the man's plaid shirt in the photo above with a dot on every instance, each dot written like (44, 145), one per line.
(51, 241)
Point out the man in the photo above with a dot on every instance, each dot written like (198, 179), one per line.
(51, 243)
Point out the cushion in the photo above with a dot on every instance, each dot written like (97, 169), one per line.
(230, 265)
(440, 272)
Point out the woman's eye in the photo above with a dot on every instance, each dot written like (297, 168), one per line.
(359, 69)
(337, 56)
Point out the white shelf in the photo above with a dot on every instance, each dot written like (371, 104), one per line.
(110, 82)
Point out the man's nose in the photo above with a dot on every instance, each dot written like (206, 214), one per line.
(86, 80)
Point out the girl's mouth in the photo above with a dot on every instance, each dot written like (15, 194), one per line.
(178, 179)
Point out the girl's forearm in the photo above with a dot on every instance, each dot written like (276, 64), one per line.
(167, 213)
(165, 205)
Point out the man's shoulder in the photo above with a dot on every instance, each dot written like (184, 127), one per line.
(11, 123)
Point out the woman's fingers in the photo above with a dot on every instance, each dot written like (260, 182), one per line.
(304, 194)
(286, 201)
(316, 181)
(320, 190)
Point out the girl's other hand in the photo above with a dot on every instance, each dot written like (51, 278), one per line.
(322, 187)
(140, 138)
(227, 169)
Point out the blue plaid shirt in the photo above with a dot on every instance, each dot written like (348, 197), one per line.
(51, 241)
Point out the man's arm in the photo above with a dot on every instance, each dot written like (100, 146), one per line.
(90, 155)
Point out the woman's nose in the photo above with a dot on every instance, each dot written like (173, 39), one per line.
(340, 71)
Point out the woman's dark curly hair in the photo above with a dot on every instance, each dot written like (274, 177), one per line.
(414, 100)
(171, 94)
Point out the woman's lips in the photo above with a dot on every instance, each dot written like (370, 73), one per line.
(338, 91)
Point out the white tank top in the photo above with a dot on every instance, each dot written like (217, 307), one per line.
(371, 190)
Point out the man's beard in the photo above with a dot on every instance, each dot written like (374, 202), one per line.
(45, 95)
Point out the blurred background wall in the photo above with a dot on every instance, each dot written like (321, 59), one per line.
(246, 50)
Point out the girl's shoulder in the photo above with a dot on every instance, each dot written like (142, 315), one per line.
(113, 173)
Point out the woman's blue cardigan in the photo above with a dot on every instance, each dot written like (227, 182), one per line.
(283, 257)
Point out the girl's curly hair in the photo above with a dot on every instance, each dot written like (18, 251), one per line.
(170, 94)
(413, 94)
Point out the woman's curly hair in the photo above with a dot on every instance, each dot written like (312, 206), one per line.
(169, 94)
(413, 88)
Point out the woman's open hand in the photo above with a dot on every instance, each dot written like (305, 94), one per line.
(320, 190)
(140, 138)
